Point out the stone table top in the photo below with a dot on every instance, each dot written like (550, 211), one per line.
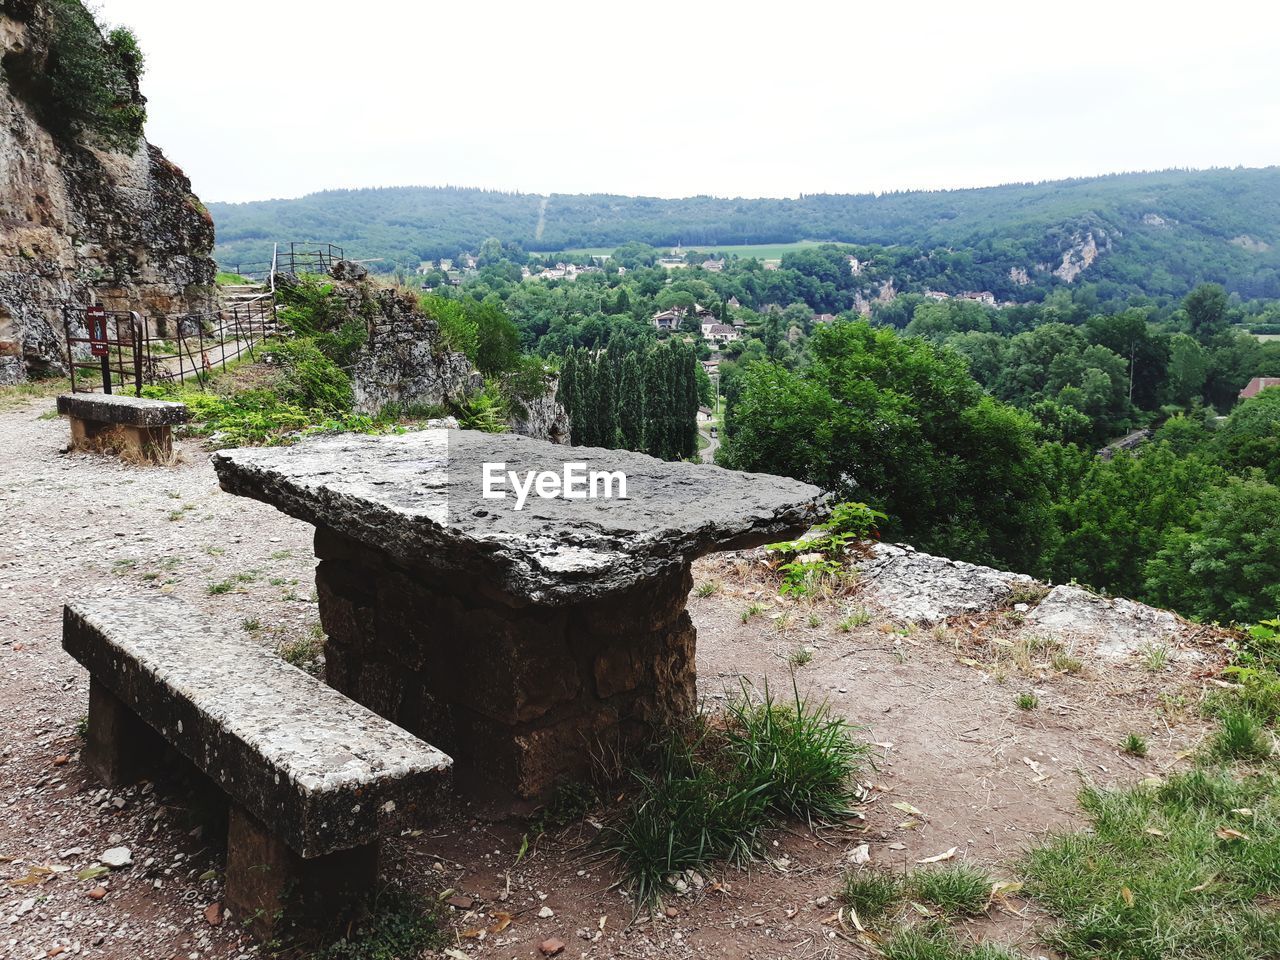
(420, 497)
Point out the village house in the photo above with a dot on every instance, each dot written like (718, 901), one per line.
(714, 266)
(720, 333)
(855, 265)
(1257, 385)
(985, 297)
(670, 319)
(823, 317)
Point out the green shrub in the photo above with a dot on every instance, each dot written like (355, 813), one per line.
(310, 306)
(486, 410)
(311, 379)
(89, 84)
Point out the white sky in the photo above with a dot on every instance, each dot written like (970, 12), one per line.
(276, 98)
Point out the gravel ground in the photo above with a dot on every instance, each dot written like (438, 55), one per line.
(988, 778)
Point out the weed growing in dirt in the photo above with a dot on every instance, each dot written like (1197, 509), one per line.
(870, 893)
(857, 617)
(221, 587)
(707, 589)
(1241, 737)
(935, 943)
(250, 624)
(1063, 662)
(1155, 657)
(398, 924)
(754, 610)
(1134, 745)
(956, 891)
(814, 620)
(714, 788)
(569, 803)
(1183, 870)
(304, 652)
(800, 657)
(1027, 701)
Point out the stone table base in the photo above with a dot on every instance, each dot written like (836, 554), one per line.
(522, 696)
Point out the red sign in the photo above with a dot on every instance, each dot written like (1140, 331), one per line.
(95, 319)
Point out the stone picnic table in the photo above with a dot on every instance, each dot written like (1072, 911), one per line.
(519, 641)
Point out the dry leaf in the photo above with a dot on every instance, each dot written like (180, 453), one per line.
(897, 846)
(456, 954)
(503, 921)
(1226, 833)
(857, 924)
(906, 808)
(1243, 811)
(921, 909)
(940, 857)
(35, 875)
(1154, 832)
(908, 824)
(1127, 896)
(1005, 888)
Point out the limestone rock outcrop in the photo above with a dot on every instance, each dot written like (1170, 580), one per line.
(405, 363)
(926, 589)
(80, 222)
(542, 417)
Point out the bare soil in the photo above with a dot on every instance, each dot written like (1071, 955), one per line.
(987, 778)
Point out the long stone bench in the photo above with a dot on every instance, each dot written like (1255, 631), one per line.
(139, 428)
(313, 777)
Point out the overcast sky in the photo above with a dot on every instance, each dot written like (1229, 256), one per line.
(276, 98)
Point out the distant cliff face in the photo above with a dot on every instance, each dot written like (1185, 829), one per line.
(81, 222)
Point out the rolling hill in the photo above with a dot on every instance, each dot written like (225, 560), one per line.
(1154, 233)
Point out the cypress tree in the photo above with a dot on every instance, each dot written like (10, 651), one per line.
(631, 405)
(654, 390)
(587, 397)
(567, 390)
(606, 402)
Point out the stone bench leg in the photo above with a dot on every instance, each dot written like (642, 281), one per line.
(138, 444)
(267, 882)
(119, 747)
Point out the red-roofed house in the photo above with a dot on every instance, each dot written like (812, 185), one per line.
(1257, 385)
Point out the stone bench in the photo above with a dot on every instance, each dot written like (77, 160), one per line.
(312, 777)
(523, 639)
(137, 427)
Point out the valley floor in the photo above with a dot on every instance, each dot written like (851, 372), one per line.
(983, 776)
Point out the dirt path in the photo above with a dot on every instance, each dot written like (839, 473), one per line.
(987, 777)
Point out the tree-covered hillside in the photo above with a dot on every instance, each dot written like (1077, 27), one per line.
(1155, 233)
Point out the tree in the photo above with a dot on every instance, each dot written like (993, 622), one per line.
(1206, 310)
(1251, 435)
(1188, 367)
(1225, 564)
(900, 424)
(497, 340)
(631, 409)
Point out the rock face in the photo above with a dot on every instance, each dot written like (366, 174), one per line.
(543, 418)
(420, 497)
(1077, 258)
(926, 589)
(80, 224)
(405, 363)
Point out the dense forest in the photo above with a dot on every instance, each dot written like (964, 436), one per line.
(975, 428)
(1158, 234)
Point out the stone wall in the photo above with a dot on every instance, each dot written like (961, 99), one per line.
(520, 696)
(79, 224)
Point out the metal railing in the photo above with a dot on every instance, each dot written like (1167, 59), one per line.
(300, 257)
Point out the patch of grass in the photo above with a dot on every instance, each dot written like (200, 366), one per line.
(857, 617)
(251, 624)
(958, 890)
(800, 657)
(753, 610)
(1155, 657)
(1241, 737)
(304, 652)
(220, 587)
(933, 942)
(814, 620)
(1027, 701)
(569, 803)
(281, 554)
(706, 589)
(1063, 662)
(398, 925)
(1134, 745)
(713, 788)
(870, 893)
(1182, 870)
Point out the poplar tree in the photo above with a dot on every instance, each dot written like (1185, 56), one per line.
(631, 407)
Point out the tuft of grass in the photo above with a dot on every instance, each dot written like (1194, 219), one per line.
(753, 610)
(714, 787)
(1182, 870)
(1241, 736)
(934, 942)
(857, 617)
(814, 620)
(220, 587)
(870, 893)
(1027, 701)
(958, 890)
(304, 652)
(706, 589)
(1134, 745)
(800, 657)
(1064, 662)
(569, 803)
(250, 624)
(1155, 657)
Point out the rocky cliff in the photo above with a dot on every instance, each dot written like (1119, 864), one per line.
(81, 220)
